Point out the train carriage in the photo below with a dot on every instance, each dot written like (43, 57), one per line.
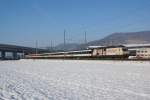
(80, 54)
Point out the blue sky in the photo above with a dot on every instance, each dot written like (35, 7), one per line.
(23, 22)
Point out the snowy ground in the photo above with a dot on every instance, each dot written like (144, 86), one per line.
(74, 80)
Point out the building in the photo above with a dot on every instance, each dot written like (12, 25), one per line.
(139, 51)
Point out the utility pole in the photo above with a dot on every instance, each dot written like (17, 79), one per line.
(85, 39)
(64, 43)
(51, 46)
(64, 40)
(36, 47)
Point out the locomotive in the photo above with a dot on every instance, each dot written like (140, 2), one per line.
(110, 52)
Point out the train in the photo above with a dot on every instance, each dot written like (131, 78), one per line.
(110, 52)
(80, 54)
(101, 52)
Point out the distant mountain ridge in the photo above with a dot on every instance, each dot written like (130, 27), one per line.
(124, 38)
(142, 37)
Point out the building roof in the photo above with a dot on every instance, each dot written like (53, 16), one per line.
(137, 45)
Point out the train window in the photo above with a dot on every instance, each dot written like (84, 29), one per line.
(124, 49)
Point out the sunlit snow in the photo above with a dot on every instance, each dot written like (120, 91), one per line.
(74, 80)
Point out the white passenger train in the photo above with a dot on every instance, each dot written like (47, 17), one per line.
(109, 52)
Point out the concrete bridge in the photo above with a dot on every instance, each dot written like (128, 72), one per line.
(14, 50)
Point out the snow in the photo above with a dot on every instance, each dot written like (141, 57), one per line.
(74, 80)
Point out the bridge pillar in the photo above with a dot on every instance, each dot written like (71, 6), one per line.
(2, 55)
(15, 55)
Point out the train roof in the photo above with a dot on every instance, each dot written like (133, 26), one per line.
(77, 51)
(114, 46)
(93, 47)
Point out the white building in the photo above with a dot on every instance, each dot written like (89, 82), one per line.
(142, 51)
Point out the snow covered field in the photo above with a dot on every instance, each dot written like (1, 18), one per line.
(74, 80)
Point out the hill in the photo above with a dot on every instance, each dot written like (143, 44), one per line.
(142, 37)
